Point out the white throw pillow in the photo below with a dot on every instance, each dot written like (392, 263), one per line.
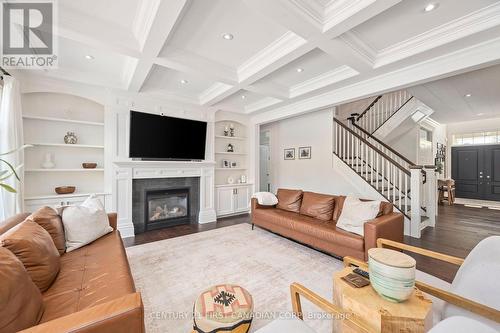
(265, 198)
(85, 223)
(355, 213)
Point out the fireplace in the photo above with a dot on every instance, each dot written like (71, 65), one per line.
(164, 202)
(166, 208)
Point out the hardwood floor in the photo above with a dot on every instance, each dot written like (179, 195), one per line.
(182, 230)
(458, 229)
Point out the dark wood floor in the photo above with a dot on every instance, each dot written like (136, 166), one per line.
(458, 229)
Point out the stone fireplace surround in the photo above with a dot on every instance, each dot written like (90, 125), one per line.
(141, 186)
(125, 172)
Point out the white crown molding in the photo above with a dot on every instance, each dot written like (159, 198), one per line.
(313, 10)
(278, 49)
(341, 10)
(462, 27)
(338, 74)
(366, 52)
(185, 61)
(262, 103)
(144, 18)
(475, 56)
(213, 92)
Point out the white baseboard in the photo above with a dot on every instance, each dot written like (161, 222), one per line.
(126, 229)
(207, 216)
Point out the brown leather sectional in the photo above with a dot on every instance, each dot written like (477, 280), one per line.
(92, 292)
(310, 218)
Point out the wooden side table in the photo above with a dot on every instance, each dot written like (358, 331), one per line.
(413, 315)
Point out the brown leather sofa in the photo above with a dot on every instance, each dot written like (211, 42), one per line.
(93, 291)
(310, 218)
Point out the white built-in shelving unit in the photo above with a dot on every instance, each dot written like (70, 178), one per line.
(47, 117)
(231, 198)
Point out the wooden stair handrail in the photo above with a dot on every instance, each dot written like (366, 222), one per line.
(392, 150)
(384, 155)
(402, 105)
(369, 107)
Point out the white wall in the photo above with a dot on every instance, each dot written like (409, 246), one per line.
(322, 173)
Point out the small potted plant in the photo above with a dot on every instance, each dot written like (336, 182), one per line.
(6, 174)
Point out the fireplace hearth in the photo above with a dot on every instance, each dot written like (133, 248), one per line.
(164, 202)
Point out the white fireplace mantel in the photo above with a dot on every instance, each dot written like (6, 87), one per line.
(127, 170)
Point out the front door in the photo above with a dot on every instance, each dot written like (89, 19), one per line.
(475, 170)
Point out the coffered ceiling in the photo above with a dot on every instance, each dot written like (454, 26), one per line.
(256, 56)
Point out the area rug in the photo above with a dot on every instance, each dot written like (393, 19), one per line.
(171, 273)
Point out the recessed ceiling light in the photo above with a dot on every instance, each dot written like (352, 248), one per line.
(480, 114)
(300, 70)
(227, 36)
(89, 57)
(243, 97)
(430, 7)
(468, 95)
(184, 81)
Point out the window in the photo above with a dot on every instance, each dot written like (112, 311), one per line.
(478, 138)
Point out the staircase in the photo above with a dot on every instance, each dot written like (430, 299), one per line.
(411, 188)
(381, 110)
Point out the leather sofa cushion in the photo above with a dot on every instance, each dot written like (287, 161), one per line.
(48, 219)
(12, 221)
(34, 247)
(289, 200)
(20, 300)
(317, 205)
(89, 276)
(305, 225)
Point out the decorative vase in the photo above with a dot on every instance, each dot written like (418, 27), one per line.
(48, 162)
(230, 148)
(70, 138)
(231, 130)
(226, 131)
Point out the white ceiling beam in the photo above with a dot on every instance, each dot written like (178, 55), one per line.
(270, 89)
(168, 13)
(472, 57)
(188, 62)
(349, 14)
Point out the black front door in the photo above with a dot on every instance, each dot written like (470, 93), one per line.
(476, 171)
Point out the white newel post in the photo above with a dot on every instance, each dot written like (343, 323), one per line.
(416, 183)
(431, 188)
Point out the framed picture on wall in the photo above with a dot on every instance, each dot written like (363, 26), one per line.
(304, 153)
(289, 154)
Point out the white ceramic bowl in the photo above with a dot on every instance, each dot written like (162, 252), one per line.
(393, 283)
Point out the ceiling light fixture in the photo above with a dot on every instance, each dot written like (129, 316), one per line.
(89, 57)
(184, 81)
(243, 97)
(227, 36)
(430, 7)
(468, 95)
(300, 70)
(480, 114)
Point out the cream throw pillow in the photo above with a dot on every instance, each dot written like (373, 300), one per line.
(265, 198)
(85, 223)
(356, 213)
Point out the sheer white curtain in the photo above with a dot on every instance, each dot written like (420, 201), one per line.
(11, 137)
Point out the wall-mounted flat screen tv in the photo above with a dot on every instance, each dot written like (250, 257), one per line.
(156, 137)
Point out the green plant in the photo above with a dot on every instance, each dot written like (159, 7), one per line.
(439, 167)
(6, 174)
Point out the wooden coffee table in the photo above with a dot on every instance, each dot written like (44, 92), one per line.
(413, 315)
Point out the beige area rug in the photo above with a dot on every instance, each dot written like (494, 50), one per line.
(171, 273)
